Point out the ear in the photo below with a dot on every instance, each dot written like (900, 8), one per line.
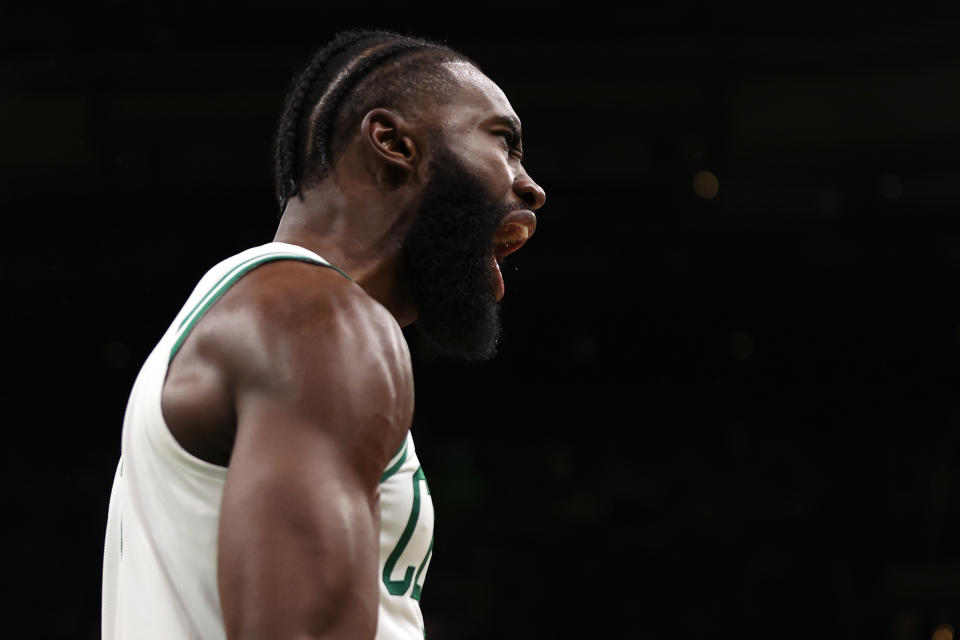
(390, 139)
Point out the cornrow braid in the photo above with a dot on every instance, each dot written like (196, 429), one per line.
(286, 154)
(354, 72)
(319, 137)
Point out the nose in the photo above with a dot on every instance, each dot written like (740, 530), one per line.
(529, 191)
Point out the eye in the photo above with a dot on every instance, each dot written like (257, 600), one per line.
(510, 141)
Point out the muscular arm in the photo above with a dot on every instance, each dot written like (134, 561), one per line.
(323, 401)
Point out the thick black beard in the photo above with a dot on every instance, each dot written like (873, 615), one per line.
(447, 261)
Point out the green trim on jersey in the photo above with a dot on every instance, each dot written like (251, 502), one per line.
(396, 465)
(227, 281)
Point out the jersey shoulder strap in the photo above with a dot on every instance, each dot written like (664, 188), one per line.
(271, 253)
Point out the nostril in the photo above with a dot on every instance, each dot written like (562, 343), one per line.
(529, 191)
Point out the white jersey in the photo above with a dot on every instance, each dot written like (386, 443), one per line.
(160, 555)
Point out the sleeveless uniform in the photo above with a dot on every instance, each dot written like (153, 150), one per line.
(160, 553)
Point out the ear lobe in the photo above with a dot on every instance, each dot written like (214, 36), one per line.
(389, 138)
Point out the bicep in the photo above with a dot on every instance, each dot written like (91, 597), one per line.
(323, 398)
(298, 537)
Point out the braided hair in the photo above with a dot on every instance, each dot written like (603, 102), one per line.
(353, 73)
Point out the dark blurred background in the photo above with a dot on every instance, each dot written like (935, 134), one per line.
(725, 404)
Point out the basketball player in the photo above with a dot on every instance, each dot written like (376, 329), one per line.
(268, 485)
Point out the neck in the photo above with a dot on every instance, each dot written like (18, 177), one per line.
(357, 234)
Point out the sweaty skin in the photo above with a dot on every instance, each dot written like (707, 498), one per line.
(300, 382)
(318, 375)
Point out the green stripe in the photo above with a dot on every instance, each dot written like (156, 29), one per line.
(259, 260)
(214, 288)
(396, 465)
(224, 284)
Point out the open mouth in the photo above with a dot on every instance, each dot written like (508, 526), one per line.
(513, 232)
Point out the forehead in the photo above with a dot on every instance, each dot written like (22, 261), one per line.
(478, 98)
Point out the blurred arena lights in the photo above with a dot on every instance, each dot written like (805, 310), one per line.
(705, 184)
(943, 632)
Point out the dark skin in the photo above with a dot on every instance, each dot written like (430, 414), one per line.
(300, 382)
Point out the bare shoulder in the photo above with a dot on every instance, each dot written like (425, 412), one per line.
(298, 344)
(295, 311)
(322, 346)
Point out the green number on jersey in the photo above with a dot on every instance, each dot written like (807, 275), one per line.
(400, 587)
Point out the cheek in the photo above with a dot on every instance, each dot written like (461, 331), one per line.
(498, 175)
(506, 181)
(489, 163)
